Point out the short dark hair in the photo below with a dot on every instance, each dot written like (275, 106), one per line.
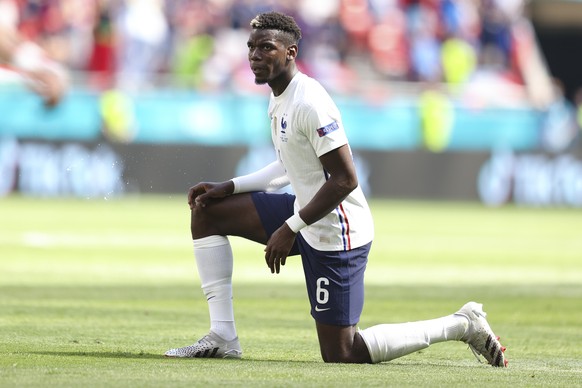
(277, 21)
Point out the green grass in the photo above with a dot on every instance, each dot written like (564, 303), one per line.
(93, 292)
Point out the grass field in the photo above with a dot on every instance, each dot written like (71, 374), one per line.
(92, 292)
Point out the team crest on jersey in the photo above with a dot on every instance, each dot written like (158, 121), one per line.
(283, 130)
(329, 128)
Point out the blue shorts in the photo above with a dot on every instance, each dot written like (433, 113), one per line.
(334, 279)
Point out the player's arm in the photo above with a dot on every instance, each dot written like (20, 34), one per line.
(43, 75)
(343, 180)
(269, 178)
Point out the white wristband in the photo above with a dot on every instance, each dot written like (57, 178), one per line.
(295, 223)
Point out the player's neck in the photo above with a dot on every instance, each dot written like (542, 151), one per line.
(279, 85)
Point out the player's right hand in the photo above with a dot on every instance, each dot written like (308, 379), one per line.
(278, 247)
(201, 193)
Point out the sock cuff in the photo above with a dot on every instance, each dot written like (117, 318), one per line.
(368, 337)
(210, 241)
(219, 285)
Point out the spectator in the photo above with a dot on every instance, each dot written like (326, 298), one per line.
(102, 56)
(44, 75)
(140, 49)
(346, 42)
(424, 44)
(388, 44)
(193, 42)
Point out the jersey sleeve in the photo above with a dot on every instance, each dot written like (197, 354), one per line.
(323, 127)
(270, 178)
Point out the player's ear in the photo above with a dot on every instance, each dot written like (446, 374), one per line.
(292, 52)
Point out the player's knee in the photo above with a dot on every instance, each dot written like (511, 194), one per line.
(356, 353)
(339, 358)
(200, 223)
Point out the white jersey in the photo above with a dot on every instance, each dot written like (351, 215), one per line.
(306, 124)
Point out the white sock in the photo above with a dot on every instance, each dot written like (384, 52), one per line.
(214, 261)
(390, 341)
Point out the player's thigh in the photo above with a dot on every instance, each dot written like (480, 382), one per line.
(234, 215)
(335, 283)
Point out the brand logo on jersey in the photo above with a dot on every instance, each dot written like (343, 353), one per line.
(283, 123)
(329, 128)
(319, 309)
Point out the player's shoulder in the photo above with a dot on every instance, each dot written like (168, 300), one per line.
(310, 92)
(309, 83)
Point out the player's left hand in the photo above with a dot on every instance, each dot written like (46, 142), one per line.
(278, 247)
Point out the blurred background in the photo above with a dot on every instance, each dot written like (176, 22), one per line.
(473, 100)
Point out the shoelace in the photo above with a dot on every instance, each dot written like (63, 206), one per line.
(205, 340)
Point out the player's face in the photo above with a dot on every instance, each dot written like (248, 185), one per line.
(268, 57)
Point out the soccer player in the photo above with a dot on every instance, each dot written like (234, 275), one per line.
(327, 221)
(43, 75)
